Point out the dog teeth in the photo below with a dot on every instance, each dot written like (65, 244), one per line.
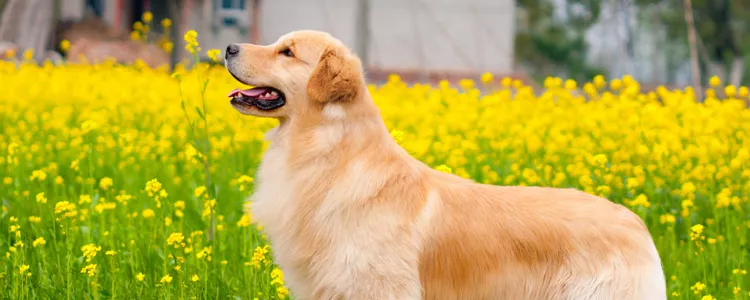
(274, 93)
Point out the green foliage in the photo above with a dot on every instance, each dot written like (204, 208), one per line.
(553, 45)
(721, 26)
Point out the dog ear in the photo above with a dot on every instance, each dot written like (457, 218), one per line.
(338, 77)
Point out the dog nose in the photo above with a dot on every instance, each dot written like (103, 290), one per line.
(232, 50)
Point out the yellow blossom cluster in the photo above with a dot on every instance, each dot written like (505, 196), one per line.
(87, 160)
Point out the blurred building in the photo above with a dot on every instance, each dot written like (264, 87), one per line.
(418, 39)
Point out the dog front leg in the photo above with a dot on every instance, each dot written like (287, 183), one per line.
(387, 269)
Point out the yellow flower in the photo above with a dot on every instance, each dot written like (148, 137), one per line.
(616, 84)
(444, 168)
(599, 81)
(38, 175)
(74, 165)
(640, 200)
(147, 17)
(506, 82)
(730, 91)
(83, 199)
(466, 84)
(90, 270)
(175, 239)
(714, 81)
(167, 46)
(38, 242)
(40, 198)
(213, 54)
(486, 77)
(106, 183)
(7, 180)
(166, 23)
(179, 204)
(600, 159)
(259, 256)
(398, 136)
(140, 277)
(89, 251)
(199, 191)
(570, 84)
(64, 45)
(743, 92)
(244, 221)
(28, 54)
(166, 279)
(195, 278)
(667, 219)
(110, 253)
(697, 288)
(147, 213)
(23, 269)
(64, 207)
(696, 232)
(89, 125)
(191, 39)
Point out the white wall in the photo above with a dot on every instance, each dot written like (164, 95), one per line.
(405, 34)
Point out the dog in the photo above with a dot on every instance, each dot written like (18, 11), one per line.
(351, 215)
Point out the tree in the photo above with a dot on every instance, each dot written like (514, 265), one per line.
(552, 45)
(28, 24)
(723, 40)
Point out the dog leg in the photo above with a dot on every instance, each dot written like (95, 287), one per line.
(379, 265)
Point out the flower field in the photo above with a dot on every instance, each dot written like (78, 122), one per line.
(105, 195)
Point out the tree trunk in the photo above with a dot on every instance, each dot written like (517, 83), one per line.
(11, 18)
(363, 31)
(693, 51)
(28, 24)
(738, 70)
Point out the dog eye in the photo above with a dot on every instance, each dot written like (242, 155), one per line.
(287, 52)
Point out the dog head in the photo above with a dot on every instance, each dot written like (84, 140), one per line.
(299, 74)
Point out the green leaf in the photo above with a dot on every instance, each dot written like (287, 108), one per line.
(200, 113)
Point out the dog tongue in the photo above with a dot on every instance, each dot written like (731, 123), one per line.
(254, 92)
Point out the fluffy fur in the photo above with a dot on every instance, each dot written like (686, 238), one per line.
(351, 215)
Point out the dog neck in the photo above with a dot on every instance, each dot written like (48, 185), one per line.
(333, 134)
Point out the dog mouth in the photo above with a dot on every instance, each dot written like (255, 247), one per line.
(263, 98)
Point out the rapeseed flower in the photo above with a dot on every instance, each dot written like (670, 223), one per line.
(89, 251)
(191, 39)
(106, 183)
(89, 270)
(675, 161)
(38, 242)
(213, 54)
(166, 279)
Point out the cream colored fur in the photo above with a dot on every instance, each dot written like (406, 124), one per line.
(351, 215)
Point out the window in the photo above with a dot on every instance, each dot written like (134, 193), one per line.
(233, 4)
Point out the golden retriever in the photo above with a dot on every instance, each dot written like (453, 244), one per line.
(351, 215)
